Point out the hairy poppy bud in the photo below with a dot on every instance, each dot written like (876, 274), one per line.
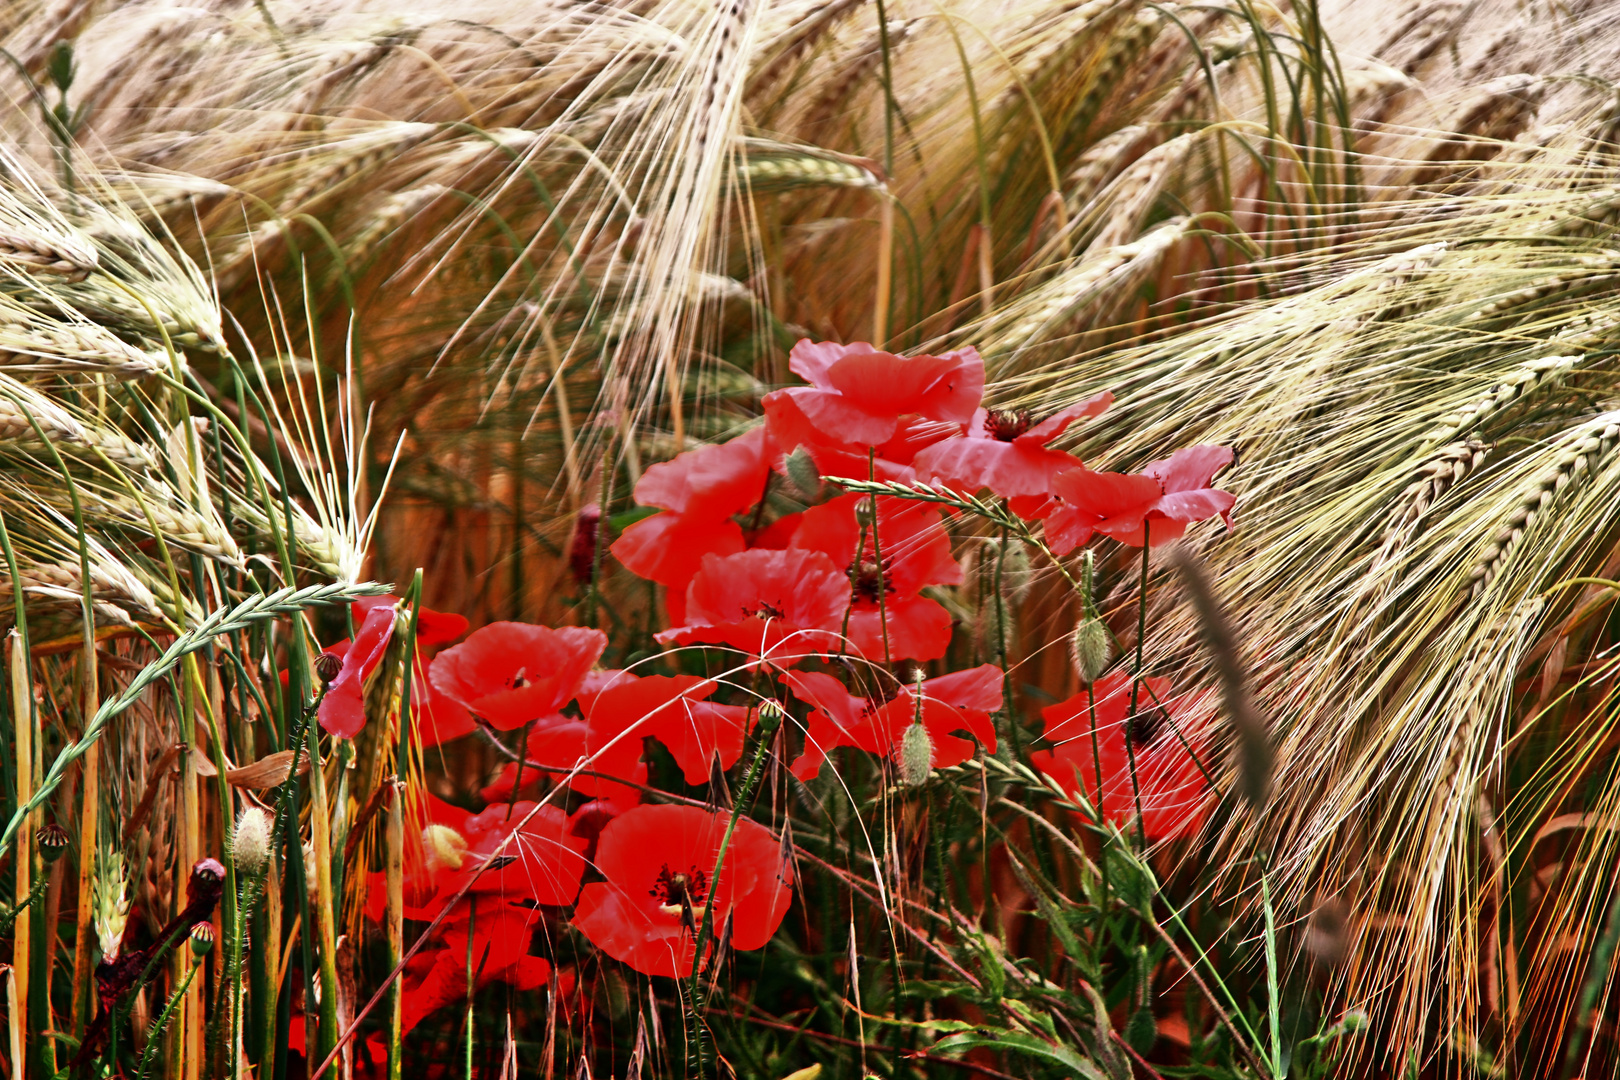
(863, 513)
(916, 755)
(250, 841)
(446, 848)
(53, 842)
(202, 940)
(327, 666)
(801, 469)
(1090, 648)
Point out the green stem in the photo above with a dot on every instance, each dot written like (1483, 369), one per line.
(1136, 682)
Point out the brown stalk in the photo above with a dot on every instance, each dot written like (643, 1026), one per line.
(89, 822)
(22, 718)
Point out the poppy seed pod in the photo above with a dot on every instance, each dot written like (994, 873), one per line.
(250, 840)
(1089, 648)
(916, 755)
(52, 840)
(328, 666)
(202, 940)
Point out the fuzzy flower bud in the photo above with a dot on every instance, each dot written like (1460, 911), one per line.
(1089, 648)
(801, 469)
(446, 849)
(202, 939)
(250, 841)
(327, 666)
(916, 755)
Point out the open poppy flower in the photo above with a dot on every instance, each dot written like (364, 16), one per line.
(712, 481)
(668, 548)
(670, 709)
(891, 460)
(1161, 500)
(1171, 788)
(960, 701)
(916, 552)
(760, 601)
(658, 863)
(1005, 452)
(857, 394)
(510, 673)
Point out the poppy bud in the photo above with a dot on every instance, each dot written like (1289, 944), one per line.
(801, 469)
(250, 842)
(445, 847)
(53, 842)
(202, 939)
(1089, 648)
(327, 666)
(863, 513)
(916, 755)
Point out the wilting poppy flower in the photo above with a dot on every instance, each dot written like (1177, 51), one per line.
(960, 701)
(342, 711)
(670, 709)
(713, 481)
(659, 862)
(510, 673)
(1166, 495)
(916, 552)
(761, 601)
(583, 542)
(1005, 452)
(1169, 784)
(858, 394)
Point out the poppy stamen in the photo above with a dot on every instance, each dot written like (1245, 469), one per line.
(870, 578)
(1006, 425)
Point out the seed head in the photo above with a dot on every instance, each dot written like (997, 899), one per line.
(1090, 648)
(250, 842)
(327, 666)
(202, 939)
(916, 755)
(52, 840)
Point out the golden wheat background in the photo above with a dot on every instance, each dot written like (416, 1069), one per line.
(1372, 247)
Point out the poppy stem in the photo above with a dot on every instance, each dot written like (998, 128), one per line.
(395, 836)
(1136, 683)
(1001, 646)
(877, 554)
(770, 718)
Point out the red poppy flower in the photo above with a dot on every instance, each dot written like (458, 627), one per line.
(1169, 784)
(857, 394)
(960, 701)
(669, 548)
(713, 481)
(495, 935)
(916, 552)
(765, 602)
(892, 460)
(1004, 452)
(1168, 495)
(342, 710)
(510, 673)
(556, 745)
(659, 862)
(670, 709)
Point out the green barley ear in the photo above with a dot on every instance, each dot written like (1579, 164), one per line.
(801, 469)
(110, 901)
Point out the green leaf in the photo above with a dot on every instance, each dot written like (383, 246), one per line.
(1001, 1039)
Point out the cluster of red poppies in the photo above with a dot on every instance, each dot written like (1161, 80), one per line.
(812, 599)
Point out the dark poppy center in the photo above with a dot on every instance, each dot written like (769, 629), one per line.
(870, 578)
(1007, 425)
(1145, 727)
(680, 888)
(762, 611)
(518, 681)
